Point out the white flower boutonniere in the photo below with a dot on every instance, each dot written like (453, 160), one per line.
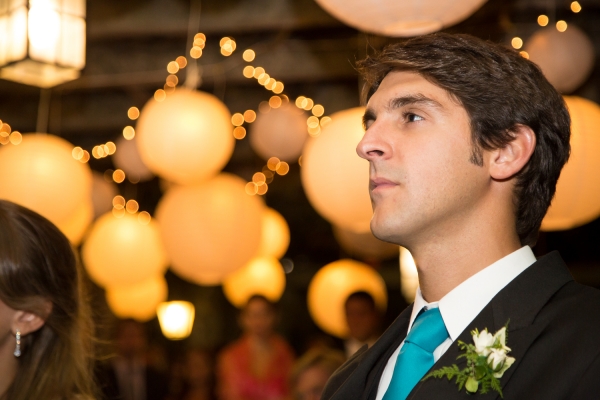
(487, 360)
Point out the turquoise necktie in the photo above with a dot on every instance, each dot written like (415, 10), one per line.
(416, 356)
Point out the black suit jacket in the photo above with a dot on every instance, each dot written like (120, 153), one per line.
(554, 334)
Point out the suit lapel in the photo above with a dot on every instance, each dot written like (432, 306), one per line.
(520, 302)
(363, 381)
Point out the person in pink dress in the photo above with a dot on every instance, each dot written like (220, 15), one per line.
(257, 365)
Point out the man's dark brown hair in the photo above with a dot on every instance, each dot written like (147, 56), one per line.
(499, 89)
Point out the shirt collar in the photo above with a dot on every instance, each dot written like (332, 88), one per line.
(461, 305)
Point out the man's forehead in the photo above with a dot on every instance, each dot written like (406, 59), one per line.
(406, 87)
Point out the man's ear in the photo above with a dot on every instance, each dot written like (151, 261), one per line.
(27, 322)
(507, 161)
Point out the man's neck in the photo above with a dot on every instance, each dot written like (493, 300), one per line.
(445, 263)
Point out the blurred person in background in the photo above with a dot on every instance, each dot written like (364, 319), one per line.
(256, 366)
(45, 329)
(129, 376)
(311, 372)
(197, 376)
(364, 322)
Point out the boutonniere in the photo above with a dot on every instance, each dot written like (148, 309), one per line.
(487, 360)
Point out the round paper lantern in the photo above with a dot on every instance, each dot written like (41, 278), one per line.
(275, 235)
(280, 133)
(78, 223)
(139, 300)
(331, 286)
(335, 178)
(41, 174)
(122, 251)
(577, 199)
(187, 137)
(566, 58)
(127, 157)
(263, 276)
(210, 229)
(103, 193)
(401, 18)
(409, 277)
(364, 245)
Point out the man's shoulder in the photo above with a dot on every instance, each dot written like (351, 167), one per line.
(574, 306)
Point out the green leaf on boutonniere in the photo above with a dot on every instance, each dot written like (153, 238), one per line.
(487, 360)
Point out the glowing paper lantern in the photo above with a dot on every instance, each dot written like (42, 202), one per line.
(364, 245)
(280, 133)
(566, 58)
(139, 300)
(41, 174)
(263, 276)
(42, 42)
(401, 18)
(78, 223)
(275, 235)
(335, 178)
(176, 319)
(331, 286)
(186, 138)
(577, 199)
(103, 193)
(122, 251)
(409, 277)
(210, 229)
(127, 157)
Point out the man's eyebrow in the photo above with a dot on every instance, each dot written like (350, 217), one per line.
(402, 101)
(418, 98)
(369, 116)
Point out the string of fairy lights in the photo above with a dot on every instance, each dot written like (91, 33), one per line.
(543, 20)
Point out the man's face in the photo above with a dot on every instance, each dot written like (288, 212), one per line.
(418, 144)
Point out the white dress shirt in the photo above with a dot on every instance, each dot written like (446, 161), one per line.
(464, 303)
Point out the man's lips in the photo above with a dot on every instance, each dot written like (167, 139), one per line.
(380, 183)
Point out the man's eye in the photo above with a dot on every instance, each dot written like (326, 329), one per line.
(412, 117)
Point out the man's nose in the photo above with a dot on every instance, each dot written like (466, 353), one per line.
(373, 146)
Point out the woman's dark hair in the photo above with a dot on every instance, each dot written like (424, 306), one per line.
(38, 268)
(499, 89)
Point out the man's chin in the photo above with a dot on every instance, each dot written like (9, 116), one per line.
(382, 232)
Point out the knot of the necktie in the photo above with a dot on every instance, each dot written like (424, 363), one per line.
(428, 331)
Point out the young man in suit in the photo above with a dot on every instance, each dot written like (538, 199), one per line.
(465, 141)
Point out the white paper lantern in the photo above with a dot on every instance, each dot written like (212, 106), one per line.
(566, 58)
(121, 251)
(335, 178)
(210, 229)
(577, 199)
(139, 300)
(330, 287)
(401, 18)
(186, 138)
(103, 193)
(280, 133)
(76, 226)
(41, 174)
(275, 235)
(262, 276)
(127, 157)
(409, 276)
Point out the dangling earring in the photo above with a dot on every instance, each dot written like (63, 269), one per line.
(17, 352)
